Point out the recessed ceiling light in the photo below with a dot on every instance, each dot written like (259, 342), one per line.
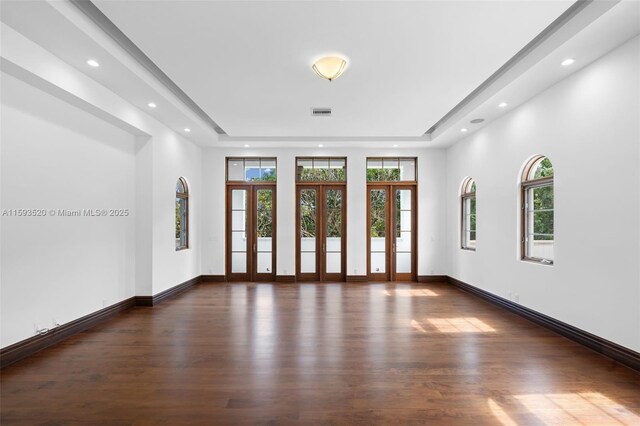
(186, 129)
(502, 104)
(395, 145)
(320, 145)
(464, 129)
(246, 145)
(567, 61)
(151, 105)
(477, 120)
(93, 63)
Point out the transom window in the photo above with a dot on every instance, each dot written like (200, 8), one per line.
(182, 214)
(391, 169)
(538, 211)
(321, 169)
(251, 170)
(468, 217)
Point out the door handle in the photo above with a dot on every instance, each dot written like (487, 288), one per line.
(324, 248)
(254, 248)
(393, 246)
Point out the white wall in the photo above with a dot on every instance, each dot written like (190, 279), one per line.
(431, 211)
(69, 142)
(588, 126)
(56, 156)
(174, 157)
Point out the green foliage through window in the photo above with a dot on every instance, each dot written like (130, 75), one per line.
(264, 223)
(307, 213)
(321, 169)
(383, 175)
(378, 212)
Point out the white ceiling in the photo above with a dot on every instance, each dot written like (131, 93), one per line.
(248, 64)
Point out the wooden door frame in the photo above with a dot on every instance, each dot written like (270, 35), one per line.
(251, 232)
(320, 274)
(334, 276)
(255, 275)
(390, 273)
(406, 276)
(308, 276)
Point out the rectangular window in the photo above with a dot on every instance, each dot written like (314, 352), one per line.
(538, 222)
(251, 170)
(321, 169)
(469, 222)
(391, 170)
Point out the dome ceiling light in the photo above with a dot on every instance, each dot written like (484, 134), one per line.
(329, 67)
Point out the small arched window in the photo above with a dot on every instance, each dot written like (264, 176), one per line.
(182, 214)
(468, 217)
(538, 211)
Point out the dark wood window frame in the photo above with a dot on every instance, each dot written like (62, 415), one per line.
(398, 159)
(326, 185)
(525, 186)
(391, 184)
(185, 226)
(252, 187)
(466, 195)
(314, 159)
(243, 160)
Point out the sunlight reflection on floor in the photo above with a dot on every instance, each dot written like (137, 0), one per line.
(584, 408)
(411, 292)
(460, 325)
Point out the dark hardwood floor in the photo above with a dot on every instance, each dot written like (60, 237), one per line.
(319, 354)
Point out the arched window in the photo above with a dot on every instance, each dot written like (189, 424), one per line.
(182, 214)
(537, 211)
(468, 217)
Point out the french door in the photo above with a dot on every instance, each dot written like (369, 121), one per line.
(391, 232)
(251, 232)
(321, 232)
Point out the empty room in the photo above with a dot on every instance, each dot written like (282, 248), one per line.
(320, 212)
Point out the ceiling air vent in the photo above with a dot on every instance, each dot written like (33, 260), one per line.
(321, 112)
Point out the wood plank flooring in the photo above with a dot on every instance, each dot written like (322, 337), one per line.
(319, 354)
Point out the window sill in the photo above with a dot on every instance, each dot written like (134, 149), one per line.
(467, 249)
(536, 261)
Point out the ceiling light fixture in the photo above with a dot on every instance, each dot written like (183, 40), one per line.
(502, 104)
(320, 145)
(329, 67)
(93, 63)
(567, 62)
(395, 145)
(186, 129)
(151, 105)
(246, 145)
(464, 129)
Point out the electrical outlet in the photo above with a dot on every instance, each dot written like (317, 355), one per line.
(510, 296)
(517, 298)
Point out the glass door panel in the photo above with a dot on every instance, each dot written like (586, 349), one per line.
(308, 231)
(321, 233)
(265, 244)
(391, 229)
(251, 232)
(378, 224)
(238, 230)
(333, 231)
(403, 232)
